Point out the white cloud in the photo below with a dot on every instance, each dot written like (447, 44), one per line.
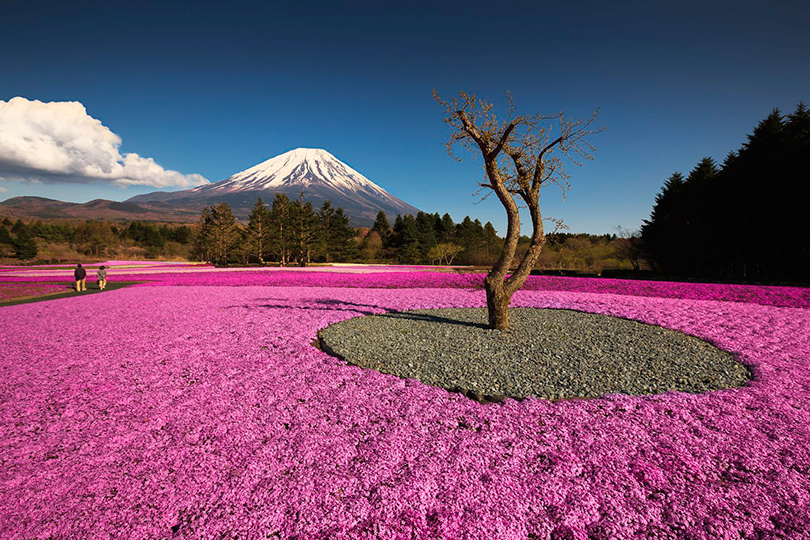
(58, 142)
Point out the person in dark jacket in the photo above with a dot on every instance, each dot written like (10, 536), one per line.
(79, 275)
(102, 278)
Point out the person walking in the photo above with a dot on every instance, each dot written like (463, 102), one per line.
(79, 275)
(102, 278)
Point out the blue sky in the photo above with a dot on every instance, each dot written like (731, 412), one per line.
(215, 88)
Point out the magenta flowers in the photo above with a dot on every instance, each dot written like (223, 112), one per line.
(200, 409)
(17, 290)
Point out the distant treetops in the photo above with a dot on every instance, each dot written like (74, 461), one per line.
(62, 241)
(291, 232)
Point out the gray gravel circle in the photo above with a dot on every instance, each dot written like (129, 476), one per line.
(547, 353)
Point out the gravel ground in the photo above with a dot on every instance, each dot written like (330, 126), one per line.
(548, 353)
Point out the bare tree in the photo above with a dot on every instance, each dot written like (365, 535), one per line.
(631, 247)
(443, 253)
(521, 155)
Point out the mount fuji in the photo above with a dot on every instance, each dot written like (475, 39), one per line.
(314, 172)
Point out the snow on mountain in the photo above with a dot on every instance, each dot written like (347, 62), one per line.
(312, 171)
(303, 167)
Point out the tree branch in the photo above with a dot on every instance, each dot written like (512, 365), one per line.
(504, 137)
(470, 128)
(538, 169)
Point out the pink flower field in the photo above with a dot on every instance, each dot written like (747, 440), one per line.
(398, 277)
(194, 406)
(16, 290)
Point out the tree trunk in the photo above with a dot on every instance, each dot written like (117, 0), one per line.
(497, 304)
(498, 292)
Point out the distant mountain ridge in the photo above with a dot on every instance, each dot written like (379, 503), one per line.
(314, 172)
(43, 208)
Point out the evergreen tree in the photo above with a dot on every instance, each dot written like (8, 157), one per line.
(326, 218)
(218, 234)
(5, 237)
(425, 234)
(470, 236)
(406, 239)
(382, 227)
(342, 234)
(492, 242)
(757, 193)
(663, 232)
(797, 195)
(202, 240)
(446, 232)
(767, 136)
(258, 231)
(146, 235)
(181, 234)
(705, 171)
(798, 126)
(396, 231)
(25, 246)
(696, 207)
(304, 231)
(280, 223)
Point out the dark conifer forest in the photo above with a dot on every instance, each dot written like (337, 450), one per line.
(746, 219)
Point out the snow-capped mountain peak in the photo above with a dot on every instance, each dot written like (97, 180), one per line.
(304, 167)
(312, 172)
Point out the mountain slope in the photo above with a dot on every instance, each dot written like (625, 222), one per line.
(314, 172)
(42, 208)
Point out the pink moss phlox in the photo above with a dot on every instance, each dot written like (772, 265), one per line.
(391, 277)
(12, 290)
(203, 412)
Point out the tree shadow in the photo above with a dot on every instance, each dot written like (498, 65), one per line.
(322, 305)
(329, 304)
(426, 317)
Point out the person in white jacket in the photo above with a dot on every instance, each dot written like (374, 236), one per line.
(102, 277)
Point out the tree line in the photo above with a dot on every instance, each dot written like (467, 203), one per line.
(92, 238)
(430, 239)
(291, 232)
(288, 232)
(592, 254)
(746, 219)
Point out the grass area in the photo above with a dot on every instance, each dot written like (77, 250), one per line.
(92, 288)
